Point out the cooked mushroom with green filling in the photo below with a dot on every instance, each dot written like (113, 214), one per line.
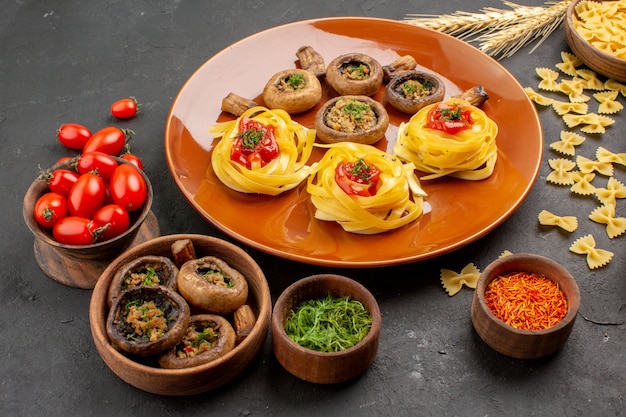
(354, 74)
(293, 90)
(412, 90)
(147, 321)
(351, 118)
(212, 285)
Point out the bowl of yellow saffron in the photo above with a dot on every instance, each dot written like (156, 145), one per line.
(326, 329)
(525, 306)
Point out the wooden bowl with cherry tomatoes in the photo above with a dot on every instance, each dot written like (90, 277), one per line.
(82, 220)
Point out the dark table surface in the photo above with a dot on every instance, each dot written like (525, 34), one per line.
(67, 61)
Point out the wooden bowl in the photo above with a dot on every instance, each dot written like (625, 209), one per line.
(324, 367)
(80, 265)
(518, 343)
(602, 62)
(146, 374)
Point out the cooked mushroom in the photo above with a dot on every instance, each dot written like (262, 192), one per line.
(293, 90)
(208, 337)
(351, 118)
(311, 61)
(147, 321)
(412, 90)
(397, 67)
(354, 74)
(147, 270)
(236, 104)
(212, 285)
(476, 95)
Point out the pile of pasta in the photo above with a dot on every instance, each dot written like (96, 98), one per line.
(602, 24)
(398, 200)
(470, 154)
(283, 173)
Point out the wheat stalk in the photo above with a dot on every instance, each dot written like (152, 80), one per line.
(499, 32)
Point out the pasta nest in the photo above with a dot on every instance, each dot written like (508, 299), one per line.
(470, 154)
(285, 172)
(398, 200)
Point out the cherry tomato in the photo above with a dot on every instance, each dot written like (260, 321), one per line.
(128, 188)
(110, 140)
(113, 219)
(255, 146)
(124, 108)
(60, 180)
(86, 196)
(133, 159)
(449, 118)
(75, 230)
(357, 178)
(73, 135)
(50, 208)
(99, 162)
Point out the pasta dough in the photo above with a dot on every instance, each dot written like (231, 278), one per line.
(469, 154)
(285, 172)
(397, 202)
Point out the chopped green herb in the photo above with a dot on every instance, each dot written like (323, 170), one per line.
(361, 170)
(329, 324)
(296, 81)
(356, 109)
(251, 137)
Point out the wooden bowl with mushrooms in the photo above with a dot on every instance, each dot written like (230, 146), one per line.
(232, 340)
(336, 359)
(586, 41)
(525, 306)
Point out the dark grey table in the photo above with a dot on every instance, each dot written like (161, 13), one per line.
(67, 61)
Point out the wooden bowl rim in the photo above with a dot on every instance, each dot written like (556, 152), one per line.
(38, 232)
(569, 13)
(373, 307)
(98, 304)
(573, 296)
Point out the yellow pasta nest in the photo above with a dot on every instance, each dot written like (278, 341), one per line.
(470, 154)
(285, 172)
(397, 202)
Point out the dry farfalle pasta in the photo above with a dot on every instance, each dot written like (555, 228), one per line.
(601, 24)
(538, 98)
(574, 89)
(563, 107)
(561, 171)
(586, 166)
(590, 76)
(608, 102)
(568, 223)
(569, 63)
(582, 183)
(612, 84)
(604, 155)
(614, 190)
(596, 258)
(567, 144)
(549, 79)
(505, 253)
(593, 123)
(453, 282)
(605, 214)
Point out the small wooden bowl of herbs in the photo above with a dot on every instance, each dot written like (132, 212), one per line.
(525, 305)
(326, 329)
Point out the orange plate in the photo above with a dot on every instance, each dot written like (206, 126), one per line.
(457, 212)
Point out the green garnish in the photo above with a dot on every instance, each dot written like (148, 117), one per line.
(361, 170)
(329, 324)
(296, 81)
(206, 335)
(360, 71)
(451, 114)
(148, 279)
(356, 109)
(251, 137)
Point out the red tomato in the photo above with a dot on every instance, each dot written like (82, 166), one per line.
(99, 162)
(50, 208)
(255, 146)
(128, 188)
(357, 178)
(133, 159)
(73, 135)
(110, 140)
(60, 180)
(74, 230)
(124, 108)
(86, 196)
(449, 118)
(113, 219)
